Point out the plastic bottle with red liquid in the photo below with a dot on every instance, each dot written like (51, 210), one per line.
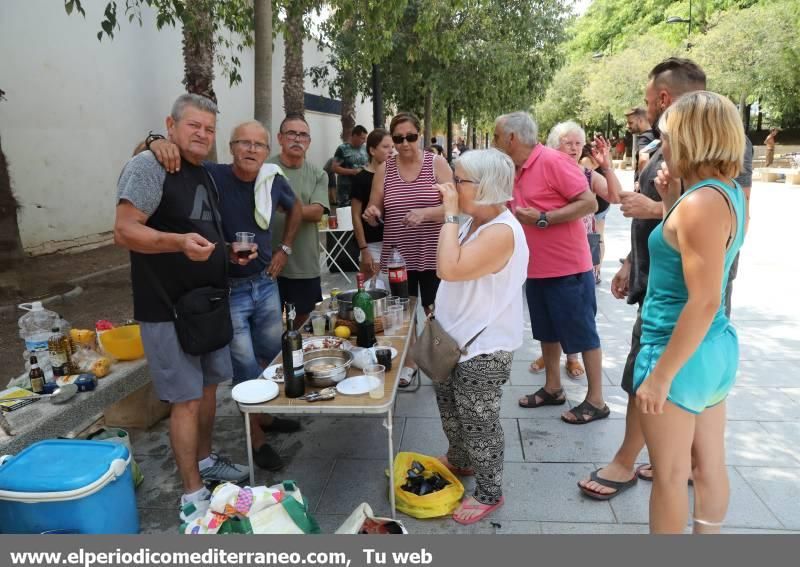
(398, 275)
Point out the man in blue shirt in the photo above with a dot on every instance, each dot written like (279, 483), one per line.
(255, 302)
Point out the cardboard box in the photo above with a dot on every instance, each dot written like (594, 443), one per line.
(141, 410)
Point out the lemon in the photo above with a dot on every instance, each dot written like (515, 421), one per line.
(342, 332)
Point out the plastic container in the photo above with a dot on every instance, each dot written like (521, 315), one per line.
(68, 485)
(35, 329)
(123, 343)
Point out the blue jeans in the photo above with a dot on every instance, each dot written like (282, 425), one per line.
(257, 325)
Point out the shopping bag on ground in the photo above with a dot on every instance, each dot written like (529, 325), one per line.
(278, 509)
(120, 436)
(440, 503)
(363, 521)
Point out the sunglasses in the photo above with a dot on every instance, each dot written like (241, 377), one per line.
(410, 138)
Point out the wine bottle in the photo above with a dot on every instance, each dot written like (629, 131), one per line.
(292, 348)
(364, 314)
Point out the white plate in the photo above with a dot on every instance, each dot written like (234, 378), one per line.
(357, 385)
(269, 373)
(318, 343)
(394, 351)
(255, 391)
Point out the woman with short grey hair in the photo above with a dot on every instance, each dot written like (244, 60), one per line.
(482, 265)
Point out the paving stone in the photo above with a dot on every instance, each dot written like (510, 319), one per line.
(521, 376)
(749, 443)
(584, 528)
(354, 481)
(158, 521)
(425, 435)
(547, 492)
(162, 486)
(340, 437)
(329, 523)
(153, 441)
(544, 440)
(761, 404)
(229, 438)
(311, 475)
(773, 340)
(779, 488)
(517, 527)
(768, 373)
(421, 403)
(446, 525)
(745, 509)
(793, 393)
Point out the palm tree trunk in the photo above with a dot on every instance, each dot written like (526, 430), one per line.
(428, 127)
(348, 106)
(11, 253)
(263, 71)
(293, 87)
(198, 53)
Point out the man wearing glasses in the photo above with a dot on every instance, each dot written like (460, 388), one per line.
(255, 301)
(299, 283)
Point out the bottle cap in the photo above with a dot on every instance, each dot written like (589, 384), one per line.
(360, 279)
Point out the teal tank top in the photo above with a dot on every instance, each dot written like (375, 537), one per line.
(666, 289)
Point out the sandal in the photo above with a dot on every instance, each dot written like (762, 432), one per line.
(485, 510)
(407, 375)
(574, 368)
(648, 467)
(547, 399)
(586, 413)
(537, 366)
(458, 471)
(619, 487)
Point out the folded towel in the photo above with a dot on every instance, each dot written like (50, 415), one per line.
(266, 176)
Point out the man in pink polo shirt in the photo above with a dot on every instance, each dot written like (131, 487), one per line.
(551, 196)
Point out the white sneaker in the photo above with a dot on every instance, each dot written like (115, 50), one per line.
(196, 508)
(223, 470)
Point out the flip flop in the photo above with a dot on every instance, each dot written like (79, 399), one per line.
(648, 466)
(485, 509)
(619, 487)
(576, 366)
(547, 398)
(458, 471)
(585, 408)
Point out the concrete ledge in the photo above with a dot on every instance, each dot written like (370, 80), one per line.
(43, 420)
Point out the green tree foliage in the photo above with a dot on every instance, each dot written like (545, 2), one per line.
(231, 24)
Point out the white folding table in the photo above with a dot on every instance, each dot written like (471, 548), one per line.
(341, 238)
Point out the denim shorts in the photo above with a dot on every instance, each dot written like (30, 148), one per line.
(257, 325)
(706, 378)
(562, 311)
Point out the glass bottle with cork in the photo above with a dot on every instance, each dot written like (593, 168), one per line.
(292, 353)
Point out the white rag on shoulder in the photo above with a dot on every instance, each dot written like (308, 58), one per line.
(263, 189)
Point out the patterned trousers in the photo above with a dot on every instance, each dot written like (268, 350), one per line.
(469, 404)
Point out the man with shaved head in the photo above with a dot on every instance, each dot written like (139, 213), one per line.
(255, 298)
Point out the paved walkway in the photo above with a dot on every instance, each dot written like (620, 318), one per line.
(339, 462)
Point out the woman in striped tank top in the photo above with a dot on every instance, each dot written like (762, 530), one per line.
(405, 199)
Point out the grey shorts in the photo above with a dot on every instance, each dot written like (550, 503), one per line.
(177, 376)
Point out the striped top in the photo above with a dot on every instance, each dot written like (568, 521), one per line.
(416, 244)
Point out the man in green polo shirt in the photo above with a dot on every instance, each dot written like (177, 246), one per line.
(299, 282)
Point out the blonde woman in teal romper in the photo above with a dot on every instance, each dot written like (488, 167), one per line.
(690, 351)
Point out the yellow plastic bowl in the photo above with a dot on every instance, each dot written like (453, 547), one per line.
(123, 343)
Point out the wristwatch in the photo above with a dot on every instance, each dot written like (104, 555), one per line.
(286, 249)
(152, 138)
(451, 219)
(543, 222)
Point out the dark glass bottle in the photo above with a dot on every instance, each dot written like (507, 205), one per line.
(36, 376)
(292, 348)
(364, 314)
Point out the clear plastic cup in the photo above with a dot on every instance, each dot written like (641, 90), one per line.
(393, 319)
(244, 244)
(318, 323)
(406, 304)
(379, 372)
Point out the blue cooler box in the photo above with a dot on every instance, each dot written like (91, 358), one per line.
(68, 485)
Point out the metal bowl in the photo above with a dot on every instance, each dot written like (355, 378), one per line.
(334, 363)
(346, 302)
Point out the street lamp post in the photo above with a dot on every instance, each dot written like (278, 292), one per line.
(679, 20)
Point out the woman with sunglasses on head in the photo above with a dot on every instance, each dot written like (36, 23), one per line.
(404, 198)
(689, 350)
(370, 238)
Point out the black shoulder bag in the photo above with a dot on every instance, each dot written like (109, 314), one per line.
(202, 316)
